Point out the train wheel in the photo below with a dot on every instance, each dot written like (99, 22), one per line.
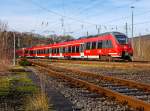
(129, 58)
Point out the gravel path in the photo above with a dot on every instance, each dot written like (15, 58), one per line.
(58, 100)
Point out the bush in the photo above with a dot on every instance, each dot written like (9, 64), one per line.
(24, 62)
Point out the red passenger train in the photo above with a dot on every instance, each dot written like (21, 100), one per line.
(109, 45)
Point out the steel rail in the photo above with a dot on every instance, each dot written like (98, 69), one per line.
(129, 83)
(133, 102)
(125, 65)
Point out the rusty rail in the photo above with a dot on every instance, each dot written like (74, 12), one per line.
(129, 83)
(133, 102)
(124, 65)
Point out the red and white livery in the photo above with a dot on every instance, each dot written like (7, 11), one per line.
(109, 45)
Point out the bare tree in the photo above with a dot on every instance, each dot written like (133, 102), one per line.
(6, 43)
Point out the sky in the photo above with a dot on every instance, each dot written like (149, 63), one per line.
(76, 17)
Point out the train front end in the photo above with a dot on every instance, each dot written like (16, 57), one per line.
(123, 46)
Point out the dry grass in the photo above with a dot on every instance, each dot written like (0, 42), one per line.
(4, 67)
(141, 48)
(37, 103)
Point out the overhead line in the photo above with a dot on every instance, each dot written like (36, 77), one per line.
(61, 15)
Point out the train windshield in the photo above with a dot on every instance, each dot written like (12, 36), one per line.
(122, 39)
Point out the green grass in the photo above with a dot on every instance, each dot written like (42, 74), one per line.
(18, 81)
(4, 86)
(31, 89)
(19, 86)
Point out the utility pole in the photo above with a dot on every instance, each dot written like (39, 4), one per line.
(14, 59)
(139, 52)
(98, 30)
(116, 28)
(62, 25)
(82, 27)
(87, 33)
(126, 28)
(132, 7)
(19, 41)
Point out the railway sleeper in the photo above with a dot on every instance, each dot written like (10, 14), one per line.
(137, 93)
(118, 88)
(111, 85)
(126, 90)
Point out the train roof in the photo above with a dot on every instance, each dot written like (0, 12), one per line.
(106, 33)
(77, 41)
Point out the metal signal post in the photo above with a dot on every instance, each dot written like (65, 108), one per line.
(132, 24)
(14, 58)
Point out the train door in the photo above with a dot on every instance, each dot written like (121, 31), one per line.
(36, 53)
(82, 50)
(50, 52)
(61, 51)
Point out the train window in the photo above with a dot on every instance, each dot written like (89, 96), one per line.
(26, 51)
(93, 45)
(73, 49)
(57, 50)
(109, 44)
(66, 50)
(69, 49)
(54, 50)
(99, 45)
(47, 51)
(63, 49)
(88, 45)
(104, 44)
(50, 50)
(77, 49)
(81, 48)
(122, 39)
(34, 52)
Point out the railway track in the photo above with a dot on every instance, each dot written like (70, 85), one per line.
(81, 98)
(123, 65)
(137, 95)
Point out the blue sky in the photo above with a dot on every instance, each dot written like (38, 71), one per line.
(79, 16)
